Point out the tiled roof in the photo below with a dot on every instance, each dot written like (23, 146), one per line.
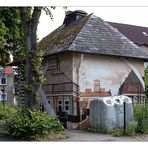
(137, 34)
(95, 94)
(90, 35)
(9, 69)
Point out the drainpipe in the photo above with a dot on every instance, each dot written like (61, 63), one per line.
(78, 73)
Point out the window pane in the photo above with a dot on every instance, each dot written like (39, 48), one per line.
(66, 102)
(3, 97)
(66, 107)
(60, 102)
(3, 81)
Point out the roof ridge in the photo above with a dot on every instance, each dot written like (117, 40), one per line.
(127, 24)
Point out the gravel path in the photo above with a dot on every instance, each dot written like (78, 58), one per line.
(82, 136)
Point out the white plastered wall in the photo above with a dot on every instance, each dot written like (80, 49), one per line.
(111, 71)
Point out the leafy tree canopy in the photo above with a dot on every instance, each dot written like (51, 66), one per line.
(11, 33)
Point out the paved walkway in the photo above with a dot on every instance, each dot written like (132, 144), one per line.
(82, 136)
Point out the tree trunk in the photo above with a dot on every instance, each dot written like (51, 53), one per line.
(33, 29)
(30, 36)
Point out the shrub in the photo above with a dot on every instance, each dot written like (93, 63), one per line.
(131, 128)
(7, 111)
(145, 126)
(118, 132)
(32, 124)
(139, 115)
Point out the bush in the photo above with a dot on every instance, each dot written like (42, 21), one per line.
(118, 132)
(32, 124)
(145, 126)
(131, 128)
(141, 116)
(7, 111)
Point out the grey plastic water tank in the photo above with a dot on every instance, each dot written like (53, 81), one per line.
(119, 111)
(108, 118)
(102, 114)
(108, 113)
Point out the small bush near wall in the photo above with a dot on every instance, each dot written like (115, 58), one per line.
(141, 116)
(140, 125)
(28, 124)
(131, 128)
(6, 111)
(32, 124)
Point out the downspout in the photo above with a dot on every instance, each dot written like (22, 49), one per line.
(135, 70)
(78, 73)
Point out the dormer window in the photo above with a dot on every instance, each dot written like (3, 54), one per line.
(72, 16)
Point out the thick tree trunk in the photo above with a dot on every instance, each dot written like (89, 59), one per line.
(30, 29)
(33, 29)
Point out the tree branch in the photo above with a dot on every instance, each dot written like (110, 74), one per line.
(33, 27)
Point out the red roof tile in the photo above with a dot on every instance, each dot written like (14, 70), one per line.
(9, 69)
(95, 94)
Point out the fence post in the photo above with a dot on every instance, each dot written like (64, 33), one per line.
(124, 105)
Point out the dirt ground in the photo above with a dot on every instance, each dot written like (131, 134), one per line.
(83, 136)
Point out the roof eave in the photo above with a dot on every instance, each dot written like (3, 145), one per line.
(115, 55)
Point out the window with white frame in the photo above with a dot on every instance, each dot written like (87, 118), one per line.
(3, 80)
(3, 96)
(60, 103)
(66, 103)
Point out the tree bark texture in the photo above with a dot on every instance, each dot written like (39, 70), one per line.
(30, 37)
